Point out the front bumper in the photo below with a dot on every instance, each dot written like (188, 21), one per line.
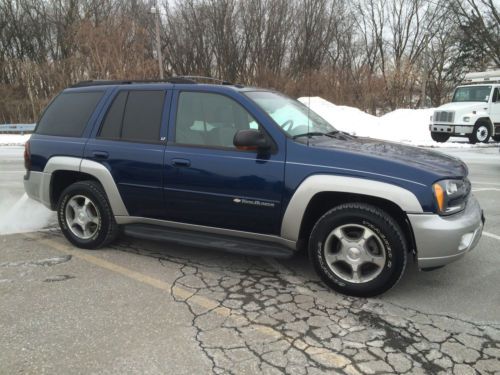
(459, 129)
(37, 186)
(443, 239)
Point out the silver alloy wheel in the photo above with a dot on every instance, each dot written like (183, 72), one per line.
(355, 253)
(82, 217)
(481, 133)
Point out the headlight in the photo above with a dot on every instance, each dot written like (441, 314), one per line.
(466, 118)
(451, 195)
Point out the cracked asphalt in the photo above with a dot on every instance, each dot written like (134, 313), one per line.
(155, 308)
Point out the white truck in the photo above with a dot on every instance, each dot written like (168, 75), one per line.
(474, 111)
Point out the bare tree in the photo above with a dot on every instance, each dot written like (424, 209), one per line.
(479, 20)
(374, 54)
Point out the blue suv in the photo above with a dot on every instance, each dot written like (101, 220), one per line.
(250, 171)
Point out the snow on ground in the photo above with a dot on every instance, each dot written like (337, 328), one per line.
(13, 139)
(410, 126)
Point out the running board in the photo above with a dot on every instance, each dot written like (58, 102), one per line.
(243, 246)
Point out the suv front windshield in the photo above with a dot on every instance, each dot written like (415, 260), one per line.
(472, 94)
(291, 115)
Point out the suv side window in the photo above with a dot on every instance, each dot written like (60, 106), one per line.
(134, 116)
(112, 125)
(208, 119)
(69, 113)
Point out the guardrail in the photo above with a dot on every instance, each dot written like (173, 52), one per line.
(17, 128)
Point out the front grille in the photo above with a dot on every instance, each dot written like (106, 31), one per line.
(444, 116)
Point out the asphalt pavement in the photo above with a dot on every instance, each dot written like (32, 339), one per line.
(154, 308)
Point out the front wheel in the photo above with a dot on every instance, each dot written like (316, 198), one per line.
(440, 137)
(85, 216)
(358, 250)
(480, 133)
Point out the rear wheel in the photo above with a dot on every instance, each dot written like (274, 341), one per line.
(85, 216)
(440, 137)
(480, 133)
(358, 249)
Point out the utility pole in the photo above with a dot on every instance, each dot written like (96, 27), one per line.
(425, 64)
(425, 73)
(156, 10)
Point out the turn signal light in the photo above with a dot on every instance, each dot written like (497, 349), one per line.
(439, 193)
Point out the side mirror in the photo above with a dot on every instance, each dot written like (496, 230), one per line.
(251, 140)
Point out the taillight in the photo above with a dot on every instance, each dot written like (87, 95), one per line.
(27, 156)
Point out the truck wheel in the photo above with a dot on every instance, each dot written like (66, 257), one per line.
(358, 249)
(480, 133)
(85, 216)
(440, 137)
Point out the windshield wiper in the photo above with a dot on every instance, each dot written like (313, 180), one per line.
(333, 132)
(309, 134)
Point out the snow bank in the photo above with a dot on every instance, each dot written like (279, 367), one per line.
(348, 119)
(22, 215)
(410, 126)
(13, 139)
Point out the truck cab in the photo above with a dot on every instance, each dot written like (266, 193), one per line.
(474, 111)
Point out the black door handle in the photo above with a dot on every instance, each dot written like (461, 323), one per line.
(181, 162)
(100, 154)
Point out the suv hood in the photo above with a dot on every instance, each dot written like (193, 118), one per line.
(462, 106)
(427, 160)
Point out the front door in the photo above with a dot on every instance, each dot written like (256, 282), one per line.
(495, 110)
(207, 180)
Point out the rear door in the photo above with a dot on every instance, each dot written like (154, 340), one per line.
(128, 141)
(207, 180)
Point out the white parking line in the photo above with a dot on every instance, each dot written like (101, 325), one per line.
(14, 172)
(485, 189)
(491, 235)
(485, 183)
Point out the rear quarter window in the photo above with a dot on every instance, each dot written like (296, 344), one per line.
(68, 114)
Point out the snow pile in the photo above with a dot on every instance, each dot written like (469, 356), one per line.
(409, 126)
(13, 139)
(22, 215)
(348, 119)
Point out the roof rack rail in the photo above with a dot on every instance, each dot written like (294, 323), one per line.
(99, 83)
(194, 78)
(173, 80)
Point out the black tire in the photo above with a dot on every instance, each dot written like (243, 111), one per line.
(440, 137)
(378, 222)
(105, 231)
(496, 138)
(480, 133)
